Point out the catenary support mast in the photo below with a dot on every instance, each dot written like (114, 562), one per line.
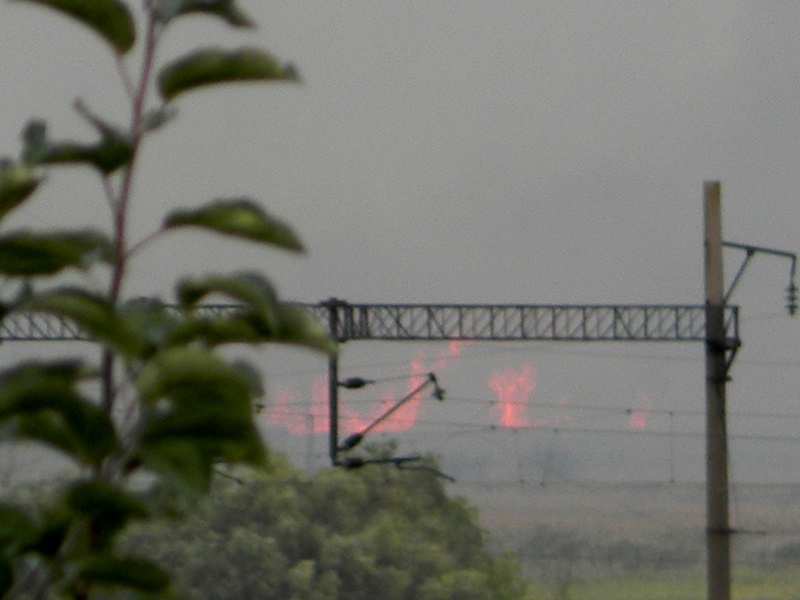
(718, 530)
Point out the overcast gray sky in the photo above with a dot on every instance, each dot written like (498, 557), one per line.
(472, 151)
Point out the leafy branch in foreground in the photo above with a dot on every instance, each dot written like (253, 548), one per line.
(162, 406)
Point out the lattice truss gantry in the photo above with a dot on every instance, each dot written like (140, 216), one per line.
(491, 322)
(521, 322)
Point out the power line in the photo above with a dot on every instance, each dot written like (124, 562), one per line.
(470, 354)
(407, 425)
(607, 410)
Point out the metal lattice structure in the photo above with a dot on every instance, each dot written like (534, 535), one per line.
(649, 323)
(492, 322)
(32, 327)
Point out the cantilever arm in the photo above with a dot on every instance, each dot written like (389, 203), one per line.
(355, 439)
(750, 250)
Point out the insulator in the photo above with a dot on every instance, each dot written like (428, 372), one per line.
(791, 298)
(351, 442)
(354, 383)
(353, 462)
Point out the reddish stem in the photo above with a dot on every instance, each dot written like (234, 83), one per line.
(121, 207)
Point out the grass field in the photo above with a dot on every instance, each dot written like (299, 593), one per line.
(609, 542)
(748, 584)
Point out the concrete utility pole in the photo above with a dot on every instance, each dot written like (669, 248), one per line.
(718, 530)
(333, 383)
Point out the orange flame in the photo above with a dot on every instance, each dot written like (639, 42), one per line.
(559, 420)
(638, 417)
(405, 417)
(638, 420)
(513, 388)
(287, 413)
(320, 408)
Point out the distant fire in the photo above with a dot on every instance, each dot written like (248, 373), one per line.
(298, 419)
(285, 413)
(453, 352)
(513, 389)
(320, 409)
(638, 417)
(559, 420)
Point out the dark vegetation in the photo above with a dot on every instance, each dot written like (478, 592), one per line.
(376, 532)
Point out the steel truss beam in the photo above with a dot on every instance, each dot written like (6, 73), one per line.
(490, 322)
(33, 327)
(518, 322)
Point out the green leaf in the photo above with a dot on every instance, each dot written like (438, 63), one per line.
(34, 387)
(103, 498)
(151, 319)
(260, 318)
(42, 403)
(224, 9)
(93, 314)
(187, 442)
(297, 326)
(64, 372)
(108, 155)
(85, 436)
(252, 375)
(53, 531)
(232, 329)
(251, 289)
(51, 428)
(109, 18)
(188, 448)
(200, 412)
(218, 407)
(109, 508)
(214, 65)
(186, 463)
(238, 217)
(112, 151)
(6, 577)
(157, 118)
(127, 572)
(34, 142)
(193, 377)
(17, 183)
(17, 530)
(290, 325)
(199, 426)
(23, 253)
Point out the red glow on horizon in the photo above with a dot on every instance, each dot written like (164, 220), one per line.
(298, 419)
(559, 420)
(638, 417)
(513, 389)
(405, 417)
(638, 420)
(284, 412)
(453, 352)
(320, 409)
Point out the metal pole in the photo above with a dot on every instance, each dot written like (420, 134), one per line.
(717, 518)
(333, 406)
(333, 386)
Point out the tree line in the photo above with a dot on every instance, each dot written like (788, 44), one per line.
(374, 532)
